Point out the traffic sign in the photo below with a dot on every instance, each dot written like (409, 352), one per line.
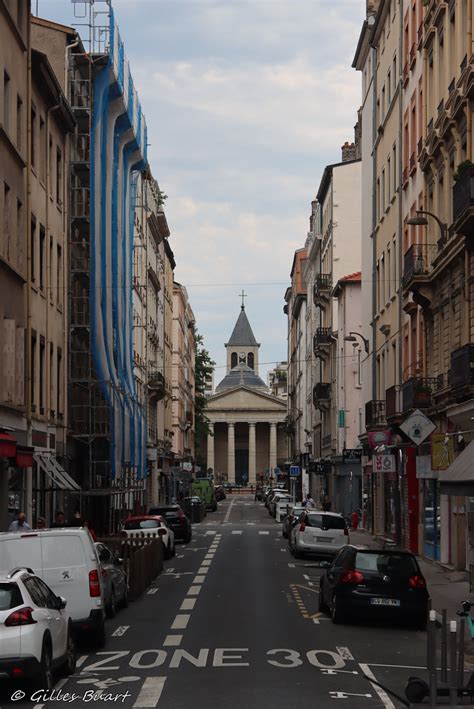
(294, 471)
(276, 471)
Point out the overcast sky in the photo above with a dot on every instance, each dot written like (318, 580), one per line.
(245, 103)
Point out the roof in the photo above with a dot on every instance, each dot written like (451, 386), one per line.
(351, 278)
(327, 176)
(356, 276)
(459, 477)
(242, 333)
(241, 375)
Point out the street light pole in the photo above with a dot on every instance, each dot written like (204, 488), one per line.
(420, 220)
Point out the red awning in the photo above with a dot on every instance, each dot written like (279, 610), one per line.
(7, 446)
(24, 456)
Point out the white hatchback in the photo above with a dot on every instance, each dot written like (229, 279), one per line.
(318, 533)
(36, 634)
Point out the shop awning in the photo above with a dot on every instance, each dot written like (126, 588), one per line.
(7, 445)
(458, 479)
(24, 456)
(56, 473)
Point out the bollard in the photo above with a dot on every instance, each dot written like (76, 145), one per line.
(444, 647)
(431, 657)
(462, 623)
(453, 675)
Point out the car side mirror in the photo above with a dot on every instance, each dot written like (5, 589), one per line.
(62, 603)
(324, 564)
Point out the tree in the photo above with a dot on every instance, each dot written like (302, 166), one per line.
(204, 366)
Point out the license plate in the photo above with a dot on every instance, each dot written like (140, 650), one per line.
(325, 540)
(385, 602)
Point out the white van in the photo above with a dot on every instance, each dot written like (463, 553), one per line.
(66, 559)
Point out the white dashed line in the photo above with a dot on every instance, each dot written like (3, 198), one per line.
(263, 532)
(203, 570)
(206, 562)
(194, 590)
(150, 692)
(387, 702)
(172, 640)
(80, 660)
(283, 549)
(152, 590)
(249, 523)
(180, 556)
(121, 630)
(210, 533)
(199, 579)
(236, 531)
(188, 604)
(291, 566)
(181, 621)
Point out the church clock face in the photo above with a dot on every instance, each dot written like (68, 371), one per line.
(242, 357)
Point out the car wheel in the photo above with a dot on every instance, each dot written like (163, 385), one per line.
(322, 607)
(45, 677)
(99, 635)
(70, 664)
(336, 613)
(111, 608)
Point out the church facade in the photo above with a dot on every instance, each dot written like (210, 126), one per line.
(248, 431)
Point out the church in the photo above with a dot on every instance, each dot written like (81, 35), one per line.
(247, 437)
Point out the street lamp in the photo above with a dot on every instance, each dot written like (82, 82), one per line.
(351, 337)
(420, 220)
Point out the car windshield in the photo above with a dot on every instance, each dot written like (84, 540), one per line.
(386, 563)
(296, 511)
(142, 524)
(10, 596)
(323, 521)
(195, 499)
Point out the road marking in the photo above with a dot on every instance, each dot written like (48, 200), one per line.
(170, 570)
(172, 640)
(188, 604)
(210, 555)
(152, 590)
(346, 695)
(387, 702)
(344, 652)
(229, 510)
(203, 570)
(194, 590)
(282, 549)
(181, 621)
(263, 532)
(150, 692)
(180, 556)
(206, 562)
(210, 533)
(199, 579)
(80, 660)
(121, 630)
(291, 566)
(236, 531)
(251, 523)
(305, 576)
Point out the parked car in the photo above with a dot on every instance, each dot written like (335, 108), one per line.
(177, 519)
(67, 561)
(276, 495)
(295, 512)
(36, 634)
(194, 507)
(377, 583)
(279, 505)
(114, 580)
(204, 488)
(318, 532)
(220, 493)
(151, 525)
(228, 488)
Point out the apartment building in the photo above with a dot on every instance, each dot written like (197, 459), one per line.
(278, 380)
(165, 408)
(183, 379)
(14, 147)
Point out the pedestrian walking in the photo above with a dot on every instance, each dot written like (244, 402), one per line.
(41, 523)
(59, 520)
(20, 524)
(309, 502)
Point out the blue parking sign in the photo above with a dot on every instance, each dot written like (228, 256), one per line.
(294, 471)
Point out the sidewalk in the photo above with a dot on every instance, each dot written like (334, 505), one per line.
(447, 588)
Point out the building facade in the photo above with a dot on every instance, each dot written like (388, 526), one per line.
(278, 380)
(183, 377)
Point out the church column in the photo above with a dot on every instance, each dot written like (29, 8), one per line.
(231, 452)
(252, 455)
(273, 446)
(210, 448)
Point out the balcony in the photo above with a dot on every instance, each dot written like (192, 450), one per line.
(412, 163)
(392, 404)
(405, 178)
(322, 288)
(375, 413)
(462, 367)
(322, 340)
(417, 393)
(156, 385)
(463, 202)
(417, 268)
(419, 147)
(321, 395)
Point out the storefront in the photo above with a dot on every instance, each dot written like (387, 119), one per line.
(457, 482)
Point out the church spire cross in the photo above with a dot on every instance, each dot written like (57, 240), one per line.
(243, 295)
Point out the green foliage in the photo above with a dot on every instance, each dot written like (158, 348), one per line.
(162, 197)
(203, 368)
(462, 167)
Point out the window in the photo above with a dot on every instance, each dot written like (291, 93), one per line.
(42, 149)
(42, 256)
(383, 198)
(6, 220)
(51, 268)
(19, 234)
(19, 121)
(394, 167)
(389, 87)
(33, 137)
(59, 276)
(42, 373)
(389, 177)
(33, 370)
(389, 281)
(51, 376)
(50, 164)
(394, 71)
(59, 177)
(7, 102)
(59, 388)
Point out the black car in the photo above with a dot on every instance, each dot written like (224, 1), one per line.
(375, 583)
(176, 519)
(194, 507)
(220, 493)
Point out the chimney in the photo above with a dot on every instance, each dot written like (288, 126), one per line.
(372, 7)
(349, 152)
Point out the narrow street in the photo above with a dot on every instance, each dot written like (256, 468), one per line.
(233, 622)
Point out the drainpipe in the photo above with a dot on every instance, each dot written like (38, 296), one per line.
(374, 511)
(398, 519)
(29, 433)
(470, 51)
(66, 61)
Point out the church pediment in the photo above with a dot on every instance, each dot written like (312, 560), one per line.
(246, 399)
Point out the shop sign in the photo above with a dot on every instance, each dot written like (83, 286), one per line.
(418, 427)
(442, 451)
(380, 438)
(321, 467)
(352, 455)
(186, 465)
(424, 468)
(384, 463)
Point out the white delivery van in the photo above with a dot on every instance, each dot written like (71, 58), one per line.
(66, 559)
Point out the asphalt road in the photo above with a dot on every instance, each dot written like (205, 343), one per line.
(232, 624)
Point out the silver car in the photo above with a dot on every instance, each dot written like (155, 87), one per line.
(114, 580)
(318, 532)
